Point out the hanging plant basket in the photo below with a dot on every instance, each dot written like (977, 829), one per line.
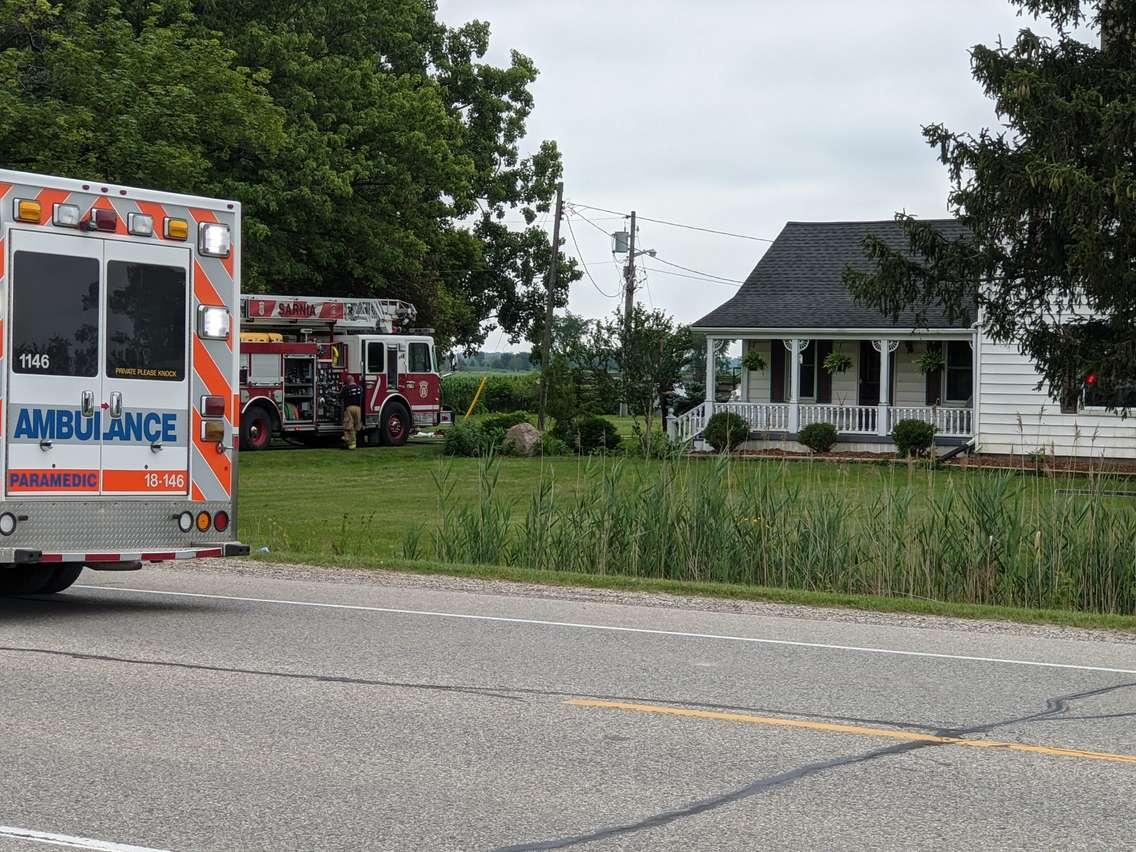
(929, 362)
(836, 362)
(753, 360)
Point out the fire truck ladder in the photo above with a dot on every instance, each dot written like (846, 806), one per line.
(384, 316)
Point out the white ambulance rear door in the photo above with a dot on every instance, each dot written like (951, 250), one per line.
(54, 383)
(146, 382)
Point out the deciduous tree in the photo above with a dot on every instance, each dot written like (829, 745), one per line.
(1049, 199)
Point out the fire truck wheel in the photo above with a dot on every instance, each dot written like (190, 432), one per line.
(256, 428)
(395, 427)
(61, 578)
(24, 579)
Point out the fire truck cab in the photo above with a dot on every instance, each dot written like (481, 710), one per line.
(117, 378)
(297, 350)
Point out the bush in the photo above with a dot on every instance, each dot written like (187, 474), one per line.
(819, 437)
(589, 434)
(464, 439)
(505, 421)
(550, 445)
(726, 431)
(913, 437)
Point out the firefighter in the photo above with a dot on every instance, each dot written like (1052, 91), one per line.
(352, 410)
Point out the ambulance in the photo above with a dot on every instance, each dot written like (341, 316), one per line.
(119, 403)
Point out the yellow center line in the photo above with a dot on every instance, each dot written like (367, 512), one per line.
(857, 730)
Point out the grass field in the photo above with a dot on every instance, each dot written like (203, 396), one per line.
(328, 502)
(327, 506)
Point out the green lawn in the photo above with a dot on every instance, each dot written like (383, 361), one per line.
(325, 502)
(332, 507)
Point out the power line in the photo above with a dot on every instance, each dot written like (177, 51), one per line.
(699, 271)
(694, 277)
(589, 221)
(677, 224)
(580, 256)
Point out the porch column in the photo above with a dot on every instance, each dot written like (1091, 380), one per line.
(885, 348)
(711, 376)
(795, 386)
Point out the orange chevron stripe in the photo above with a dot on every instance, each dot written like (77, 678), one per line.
(206, 294)
(5, 188)
(197, 495)
(213, 379)
(218, 462)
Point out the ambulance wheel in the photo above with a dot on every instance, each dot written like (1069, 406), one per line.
(61, 578)
(256, 428)
(24, 579)
(395, 428)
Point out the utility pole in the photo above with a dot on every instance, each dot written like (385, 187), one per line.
(553, 274)
(628, 301)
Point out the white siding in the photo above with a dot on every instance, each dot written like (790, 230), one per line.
(1016, 417)
(756, 383)
(910, 385)
(844, 385)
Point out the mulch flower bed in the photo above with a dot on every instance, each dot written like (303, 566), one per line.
(1026, 464)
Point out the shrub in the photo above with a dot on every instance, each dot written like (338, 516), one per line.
(550, 445)
(913, 437)
(819, 437)
(464, 439)
(505, 421)
(726, 431)
(589, 434)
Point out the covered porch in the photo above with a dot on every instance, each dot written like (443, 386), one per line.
(842, 377)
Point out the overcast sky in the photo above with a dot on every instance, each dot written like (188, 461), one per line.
(739, 115)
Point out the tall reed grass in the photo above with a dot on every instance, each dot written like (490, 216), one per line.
(970, 537)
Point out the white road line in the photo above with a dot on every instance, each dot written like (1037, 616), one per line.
(615, 629)
(48, 839)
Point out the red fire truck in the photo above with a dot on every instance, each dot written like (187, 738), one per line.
(296, 350)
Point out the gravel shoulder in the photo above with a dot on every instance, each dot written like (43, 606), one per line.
(509, 588)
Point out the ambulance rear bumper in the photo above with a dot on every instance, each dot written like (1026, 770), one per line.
(24, 556)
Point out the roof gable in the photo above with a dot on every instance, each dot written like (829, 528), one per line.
(798, 283)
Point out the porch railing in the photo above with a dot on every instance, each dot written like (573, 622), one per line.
(851, 419)
(848, 419)
(948, 422)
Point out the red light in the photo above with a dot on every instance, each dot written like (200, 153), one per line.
(1091, 379)
(103, 220)
(213, 406)
(221, 521)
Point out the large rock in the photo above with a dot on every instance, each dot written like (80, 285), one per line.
(523, 439)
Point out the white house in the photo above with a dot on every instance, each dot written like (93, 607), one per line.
(794, 309)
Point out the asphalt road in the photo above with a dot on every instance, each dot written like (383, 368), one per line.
(179, 709)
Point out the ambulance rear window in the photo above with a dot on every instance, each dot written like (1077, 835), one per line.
(146, 321)
(55, 314)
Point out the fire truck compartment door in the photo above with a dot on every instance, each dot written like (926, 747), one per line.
(54, 422)
(146, 369)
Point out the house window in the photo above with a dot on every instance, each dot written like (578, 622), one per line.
(960, 372)
(1098, 395)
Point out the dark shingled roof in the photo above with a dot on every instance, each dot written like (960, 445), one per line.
(797, 283)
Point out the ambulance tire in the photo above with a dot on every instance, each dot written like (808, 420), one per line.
(24, 579)
(257, 425)
(395, 427)
(61, 578)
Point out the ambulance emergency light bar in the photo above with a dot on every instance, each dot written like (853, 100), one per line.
(213, 238)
